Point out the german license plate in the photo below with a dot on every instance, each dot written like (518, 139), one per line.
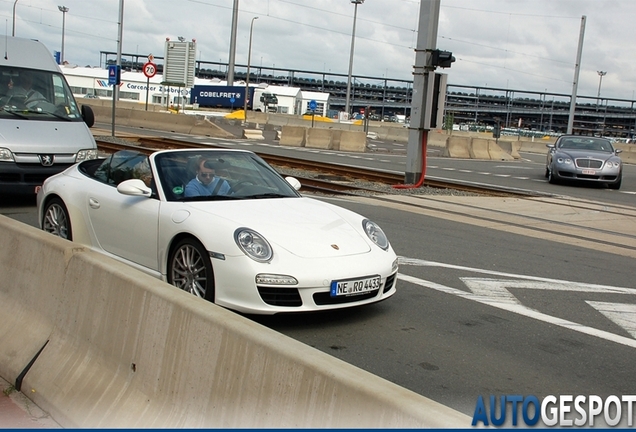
(350, 287)
(589, 172)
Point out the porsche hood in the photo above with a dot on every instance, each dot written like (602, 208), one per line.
(305, 227)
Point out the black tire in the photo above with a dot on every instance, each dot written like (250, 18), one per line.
(190, 269)
(547, 172)
(617, 185)
(551, 178)
(56, 220)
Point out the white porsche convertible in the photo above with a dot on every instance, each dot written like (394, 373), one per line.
(224, 226)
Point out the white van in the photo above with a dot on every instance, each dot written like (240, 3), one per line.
(42, 129)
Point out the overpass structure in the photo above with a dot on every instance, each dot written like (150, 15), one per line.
(384, 97)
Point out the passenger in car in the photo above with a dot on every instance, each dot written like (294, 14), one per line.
(206, 183)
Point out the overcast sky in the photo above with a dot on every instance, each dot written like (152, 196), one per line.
(515, 44)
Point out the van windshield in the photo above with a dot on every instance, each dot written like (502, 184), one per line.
(30, 94)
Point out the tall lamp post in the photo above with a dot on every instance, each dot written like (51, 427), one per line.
(13, 30)
(353, 38)
(63, 9)
(247, 78)
(601, 74)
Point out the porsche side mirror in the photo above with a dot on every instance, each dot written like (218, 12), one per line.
(134, 187)
(293, 182)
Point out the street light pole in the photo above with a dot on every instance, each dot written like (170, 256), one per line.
(231, 61)
(63, 9)
(247, 78)
(601, 74)
(13, 30)
(353, 38)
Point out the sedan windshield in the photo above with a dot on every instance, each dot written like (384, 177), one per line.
(218, 175)
(586, 143)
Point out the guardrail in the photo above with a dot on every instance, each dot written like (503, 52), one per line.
(98, 344)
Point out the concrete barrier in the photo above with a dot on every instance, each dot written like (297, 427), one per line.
(511, 147)
(255, 134)
(319, 138)
(479, 148)
(293, 136)
(138, 117)
(353, 141)
(629, 152)
(122, 349)
(457, 147)
(495, 152)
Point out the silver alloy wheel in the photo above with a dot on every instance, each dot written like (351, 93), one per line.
(56, 220)
(188, 270)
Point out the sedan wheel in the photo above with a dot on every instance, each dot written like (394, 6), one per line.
(190, 269)
(56, 221)
(551, 178)
(617, 184)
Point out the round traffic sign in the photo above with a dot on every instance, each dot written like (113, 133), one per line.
(150, 69)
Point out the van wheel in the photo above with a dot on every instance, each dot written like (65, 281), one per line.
(55, 219)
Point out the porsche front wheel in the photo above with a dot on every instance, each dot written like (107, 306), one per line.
(55, 219)
(190, 269)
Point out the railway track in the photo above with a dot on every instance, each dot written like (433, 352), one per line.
(320, 176)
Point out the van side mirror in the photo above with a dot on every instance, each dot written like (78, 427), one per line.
(88, 115)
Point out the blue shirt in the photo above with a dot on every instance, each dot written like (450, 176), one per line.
(196, 188)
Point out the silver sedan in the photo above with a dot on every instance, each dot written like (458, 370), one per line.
(586, 159)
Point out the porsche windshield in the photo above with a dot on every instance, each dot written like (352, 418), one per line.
(217, 175)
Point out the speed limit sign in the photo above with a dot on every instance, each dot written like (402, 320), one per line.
(150, 69)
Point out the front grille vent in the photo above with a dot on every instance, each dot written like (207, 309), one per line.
(589, 163)
(286, 297)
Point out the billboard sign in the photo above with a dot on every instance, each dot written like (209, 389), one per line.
(179, 63)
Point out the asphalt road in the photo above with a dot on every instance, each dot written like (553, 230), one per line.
(448, 347)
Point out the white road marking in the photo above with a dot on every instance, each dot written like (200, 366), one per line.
(621, 313)
(495, 292)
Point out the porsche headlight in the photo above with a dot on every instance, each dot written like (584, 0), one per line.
(6, 155)
(563, 160)
(375, 233)
(253, 245)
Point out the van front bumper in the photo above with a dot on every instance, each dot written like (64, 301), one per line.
(23, 179)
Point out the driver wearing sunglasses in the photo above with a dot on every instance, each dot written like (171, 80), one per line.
(206, 183)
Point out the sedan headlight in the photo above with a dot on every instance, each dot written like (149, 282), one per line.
(563, 160)
(375, 233)
(253, 245)
(612, 164)
(6, 155)
(83, 155)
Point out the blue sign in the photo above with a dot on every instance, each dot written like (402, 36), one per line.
(218, 96)
(312, 105)
(114, 75)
